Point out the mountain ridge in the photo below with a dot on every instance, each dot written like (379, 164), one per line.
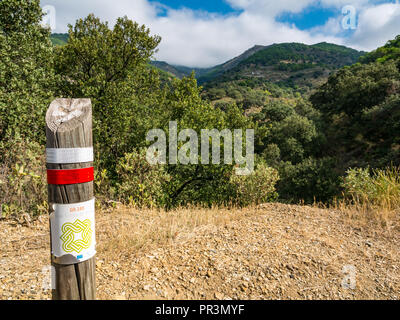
(287, 57)
(333, 56)
(297, 66)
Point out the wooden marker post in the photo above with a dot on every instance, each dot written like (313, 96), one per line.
(69, 150)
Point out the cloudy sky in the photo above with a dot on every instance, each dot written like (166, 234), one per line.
(203, 33)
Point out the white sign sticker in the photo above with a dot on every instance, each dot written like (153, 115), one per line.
(73, 232)
(69, 155)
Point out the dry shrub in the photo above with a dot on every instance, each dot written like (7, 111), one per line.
(372, 193)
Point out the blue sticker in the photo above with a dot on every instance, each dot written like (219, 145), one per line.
(80, 257)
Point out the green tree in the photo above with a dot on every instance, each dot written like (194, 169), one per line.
(360, 107)
(111, 67)
(198, 183)
(391, 51)
(310, 180)
(26, 69)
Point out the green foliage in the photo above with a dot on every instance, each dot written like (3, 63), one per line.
(26, 74)
(361, 111)
(139, 183)
(277, 111)
(198, 184)
(310, 180)
(23, 185)
(59, 39)
(294, 67)
(216, 93)
(110, 67)
(246, 92)
(391, 51)
(97, 58)
(291, 145)
(354, 89)
(129, 100)
(256, 188)
(290, 131)
(330, 47)
(254, 98)
(331, 55)
(285, 68)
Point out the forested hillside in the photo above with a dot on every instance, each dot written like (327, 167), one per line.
(360, 107)
(290, 66)
(287, 63)
(352, 121)
(59, 39)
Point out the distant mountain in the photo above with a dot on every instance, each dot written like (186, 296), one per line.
(287, 63)
(59, 39)
(216, 71)
(179, 71)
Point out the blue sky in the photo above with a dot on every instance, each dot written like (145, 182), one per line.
(310, 17)
(216, 6)
(203, 33)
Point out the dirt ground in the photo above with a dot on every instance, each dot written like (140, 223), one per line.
(273, 251)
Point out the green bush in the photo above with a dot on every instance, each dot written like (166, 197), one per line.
(23, 185)
(254, 98)
(216, 93)
(277, 110)
(310, 180)
(256, 188)
(139, 183)
(26, 74)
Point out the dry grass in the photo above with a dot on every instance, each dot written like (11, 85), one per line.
(282, 251)
(366, 214)
(272, 251)
(142, 230)
(153, 228)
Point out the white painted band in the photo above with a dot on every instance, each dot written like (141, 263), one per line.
(69, 155)
(73, 236)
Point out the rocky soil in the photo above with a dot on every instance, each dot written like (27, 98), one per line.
(274, 251)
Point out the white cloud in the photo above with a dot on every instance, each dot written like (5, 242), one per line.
(203, 39)
(376, 26)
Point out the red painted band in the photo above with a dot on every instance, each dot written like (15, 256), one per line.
(71, 176)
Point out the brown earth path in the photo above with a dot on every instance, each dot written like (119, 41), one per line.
(273, 251)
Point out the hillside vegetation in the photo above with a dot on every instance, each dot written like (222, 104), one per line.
(287, 60)
(59, 39)
(294, 66)
(314, 136)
